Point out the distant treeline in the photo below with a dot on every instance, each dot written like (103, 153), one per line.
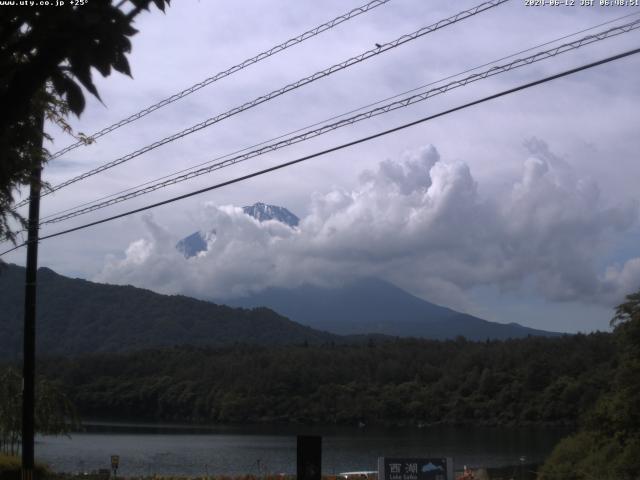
(401, 382)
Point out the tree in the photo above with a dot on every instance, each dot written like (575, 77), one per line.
(46, 57)
(10, 408)
(608, 444)
(54, 413)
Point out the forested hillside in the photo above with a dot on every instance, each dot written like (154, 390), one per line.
(76, 316)
(607, 444)
(403, 382)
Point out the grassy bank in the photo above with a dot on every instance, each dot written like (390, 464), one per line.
(10, 469)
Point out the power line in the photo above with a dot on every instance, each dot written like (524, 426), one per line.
(342, 146)
(336, 117)
(225, 73)
(405, 102)
(276, 93)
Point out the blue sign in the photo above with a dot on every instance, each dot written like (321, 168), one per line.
(415, 468)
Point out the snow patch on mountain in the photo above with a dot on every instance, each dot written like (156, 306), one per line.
(198, 242)
(263, 212)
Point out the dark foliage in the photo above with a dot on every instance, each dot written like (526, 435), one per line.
(11, 469)
(607, 446)
(76, 316)
(46, 55)
(54, 414)
(401, 382)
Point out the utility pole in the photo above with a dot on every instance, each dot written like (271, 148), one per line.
(29, 351)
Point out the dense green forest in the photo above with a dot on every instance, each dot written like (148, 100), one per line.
(607, 443)
(400, 382)
(76, 316)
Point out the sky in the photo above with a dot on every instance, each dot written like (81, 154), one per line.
(523, 209)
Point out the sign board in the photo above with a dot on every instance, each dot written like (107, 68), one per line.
(415, 468)
(115, 461)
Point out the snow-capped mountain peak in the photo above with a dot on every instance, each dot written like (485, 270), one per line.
(263, 212)
(195, 243)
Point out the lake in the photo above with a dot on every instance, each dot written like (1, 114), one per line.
(188, 450)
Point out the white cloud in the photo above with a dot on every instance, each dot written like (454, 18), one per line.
(438, 228)
(420, 222)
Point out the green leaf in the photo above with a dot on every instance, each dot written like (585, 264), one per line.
(57, 79)
(82, 71)
(75, 98)
(121, 64)
(159, 4)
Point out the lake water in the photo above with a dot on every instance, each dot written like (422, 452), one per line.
(185, 450)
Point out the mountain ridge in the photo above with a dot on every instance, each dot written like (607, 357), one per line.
(264, 212)
(374, 306)
(365, 306)
(77, 316)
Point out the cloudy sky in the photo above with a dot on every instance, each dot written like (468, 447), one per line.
(524, 209)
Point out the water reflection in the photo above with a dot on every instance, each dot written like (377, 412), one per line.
(148, 449)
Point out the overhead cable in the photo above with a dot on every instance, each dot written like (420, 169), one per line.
(339, 147)
(225, 73)
(276, 93)
(402, 103)
(335, 117)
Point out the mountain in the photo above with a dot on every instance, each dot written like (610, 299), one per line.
(368, 306)
(263, 212)
(192, 245)
(374, 306)
(195, 243)
(76, 316)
